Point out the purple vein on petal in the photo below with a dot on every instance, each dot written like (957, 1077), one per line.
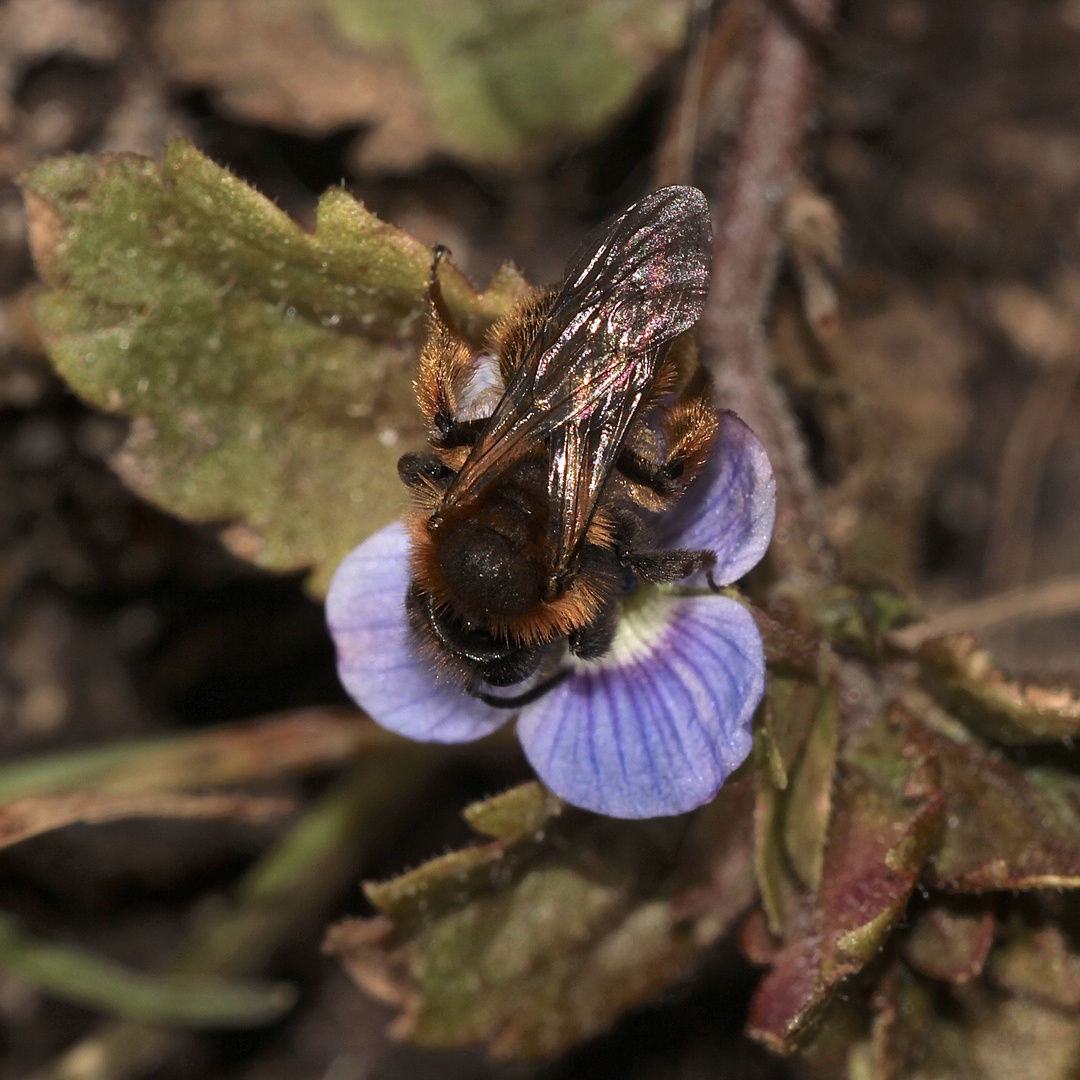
(691, 668)
(657, 730)
(662, 714)
(717, 697)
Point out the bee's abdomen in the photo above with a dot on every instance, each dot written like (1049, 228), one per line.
(488, 559)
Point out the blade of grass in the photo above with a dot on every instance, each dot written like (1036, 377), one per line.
(74, 974)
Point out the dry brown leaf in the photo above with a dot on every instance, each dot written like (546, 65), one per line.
(24, 818)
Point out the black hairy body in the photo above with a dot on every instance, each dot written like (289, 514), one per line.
(582, 411)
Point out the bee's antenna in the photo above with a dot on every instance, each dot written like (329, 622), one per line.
(435, 294)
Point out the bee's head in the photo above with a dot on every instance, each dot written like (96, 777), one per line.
(471, 653)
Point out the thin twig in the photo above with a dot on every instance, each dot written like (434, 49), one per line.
(766, 163)
(1059, 596)
(675, 157)
(710, 50)
(24, 818)
(1034, 431)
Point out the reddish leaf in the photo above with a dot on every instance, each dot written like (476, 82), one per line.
(886, 816)
(1008, 827)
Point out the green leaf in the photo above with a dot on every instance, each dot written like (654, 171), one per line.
(857, 618)
(515, 814)
(794, 756)
(499, 77)
(544, 936)
(965, 680)
(268, 370)
(502, 84)
(791, 703)
(797, 665)
(770, 871)
(809, 797)
(289, 885)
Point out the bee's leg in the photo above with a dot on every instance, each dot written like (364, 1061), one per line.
(443, 368)
(687, 430)
(594, 639)
(448, 433)
(439, 310)
(424, 472)
(665, 567)
(663, 478)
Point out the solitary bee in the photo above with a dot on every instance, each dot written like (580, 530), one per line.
(580, 414)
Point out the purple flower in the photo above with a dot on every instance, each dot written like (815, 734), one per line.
(652, 728)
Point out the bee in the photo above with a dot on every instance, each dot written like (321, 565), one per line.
(582, 414)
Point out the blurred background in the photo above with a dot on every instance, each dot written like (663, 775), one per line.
(939, 405)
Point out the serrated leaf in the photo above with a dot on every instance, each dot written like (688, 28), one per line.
(494, 84)
(268, 370)
(531, 943)
(1007, 827)
(966, 681)
(515, 814)
(885, 818)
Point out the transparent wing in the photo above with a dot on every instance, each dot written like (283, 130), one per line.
(636, 282)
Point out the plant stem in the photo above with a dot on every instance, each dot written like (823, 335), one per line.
(766, 163)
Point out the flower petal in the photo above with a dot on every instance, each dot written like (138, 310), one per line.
(377, 661)
(730, 507)
(661, 722)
